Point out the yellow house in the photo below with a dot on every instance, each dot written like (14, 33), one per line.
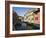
(29, 17)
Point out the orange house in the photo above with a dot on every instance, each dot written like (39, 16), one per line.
(37, 18)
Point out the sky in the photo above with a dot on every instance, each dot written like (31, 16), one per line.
(21, 10)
